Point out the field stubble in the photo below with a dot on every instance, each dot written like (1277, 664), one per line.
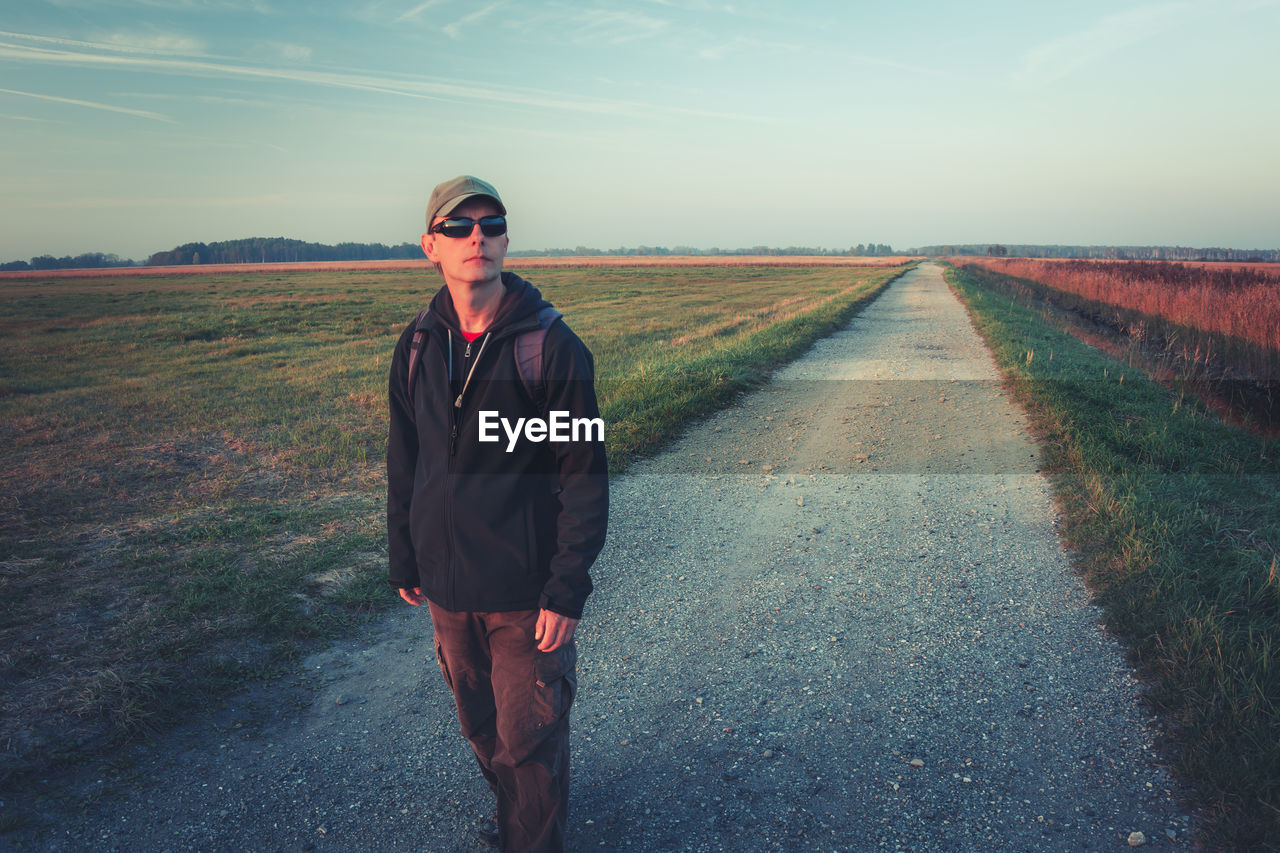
(514, 263)
(1207, 324)
(192, 466)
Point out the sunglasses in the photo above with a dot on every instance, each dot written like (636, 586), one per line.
(461, 226)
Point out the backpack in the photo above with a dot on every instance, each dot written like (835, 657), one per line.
(528, 354)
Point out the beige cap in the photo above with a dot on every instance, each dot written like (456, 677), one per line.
(448, 195)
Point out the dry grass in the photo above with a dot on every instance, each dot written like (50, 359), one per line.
(1237, 300)
(513, 263)
(1209, 330)
(191, 467)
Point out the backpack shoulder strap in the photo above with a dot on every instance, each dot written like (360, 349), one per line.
(415, 348)
(528, 352)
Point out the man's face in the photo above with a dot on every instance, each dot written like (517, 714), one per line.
(474, 259)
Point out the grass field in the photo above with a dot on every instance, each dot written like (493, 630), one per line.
(1175, 518)
(1217, 321)
(1232, 300)
(192, 488)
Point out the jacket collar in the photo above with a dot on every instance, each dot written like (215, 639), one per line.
(517, 313)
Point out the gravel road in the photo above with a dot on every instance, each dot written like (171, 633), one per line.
(835, 617)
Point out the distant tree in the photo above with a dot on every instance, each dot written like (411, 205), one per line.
(997, 250)
(279, 250)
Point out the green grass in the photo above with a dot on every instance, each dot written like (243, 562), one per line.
(192, 489)
(1176, 520)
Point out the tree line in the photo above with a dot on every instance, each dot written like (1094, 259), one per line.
(281, 250)
(89, 260)
(262, 250)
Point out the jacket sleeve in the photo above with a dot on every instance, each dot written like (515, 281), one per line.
(402, 461)
(583, 474)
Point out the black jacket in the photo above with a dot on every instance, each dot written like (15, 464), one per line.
(475, 526)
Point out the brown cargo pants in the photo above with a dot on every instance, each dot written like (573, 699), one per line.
(513, 703)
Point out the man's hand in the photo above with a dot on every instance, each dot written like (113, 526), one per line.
(552, 631)
(413, 596)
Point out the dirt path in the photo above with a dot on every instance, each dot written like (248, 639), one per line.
(834, 617)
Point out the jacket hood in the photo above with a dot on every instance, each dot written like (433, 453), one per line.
(521, 302)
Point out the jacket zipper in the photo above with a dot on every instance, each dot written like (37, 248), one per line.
(453, 413)
(453, 447)
(453, 444)
(457, 404)
(448, 491)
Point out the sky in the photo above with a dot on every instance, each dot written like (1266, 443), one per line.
(133, 126)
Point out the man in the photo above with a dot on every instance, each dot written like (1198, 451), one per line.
(496, 528)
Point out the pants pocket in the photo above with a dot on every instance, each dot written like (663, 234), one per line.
(556, 683)
(444, 667)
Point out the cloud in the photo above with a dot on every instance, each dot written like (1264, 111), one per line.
(52, 40)
(559, 23)
(759, 48)
(215, 6)
(416, 11)
(437, 89)
(613, 26)
(741, 44)
(293, 52)
(153, 43)
(1067, 54)
(109, 202)
(696, 6)
(91, 105)
(12, 117)
(454, 30)
(210, 99)
(123, 42)
(720, 51)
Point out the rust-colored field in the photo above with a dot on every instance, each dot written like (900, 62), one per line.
(1271, 269)
(511, 263)
(1239, 300)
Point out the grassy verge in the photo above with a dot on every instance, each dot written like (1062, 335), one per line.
(704, 338)
(192, 488)
(1176, 520)
(1238, 377)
